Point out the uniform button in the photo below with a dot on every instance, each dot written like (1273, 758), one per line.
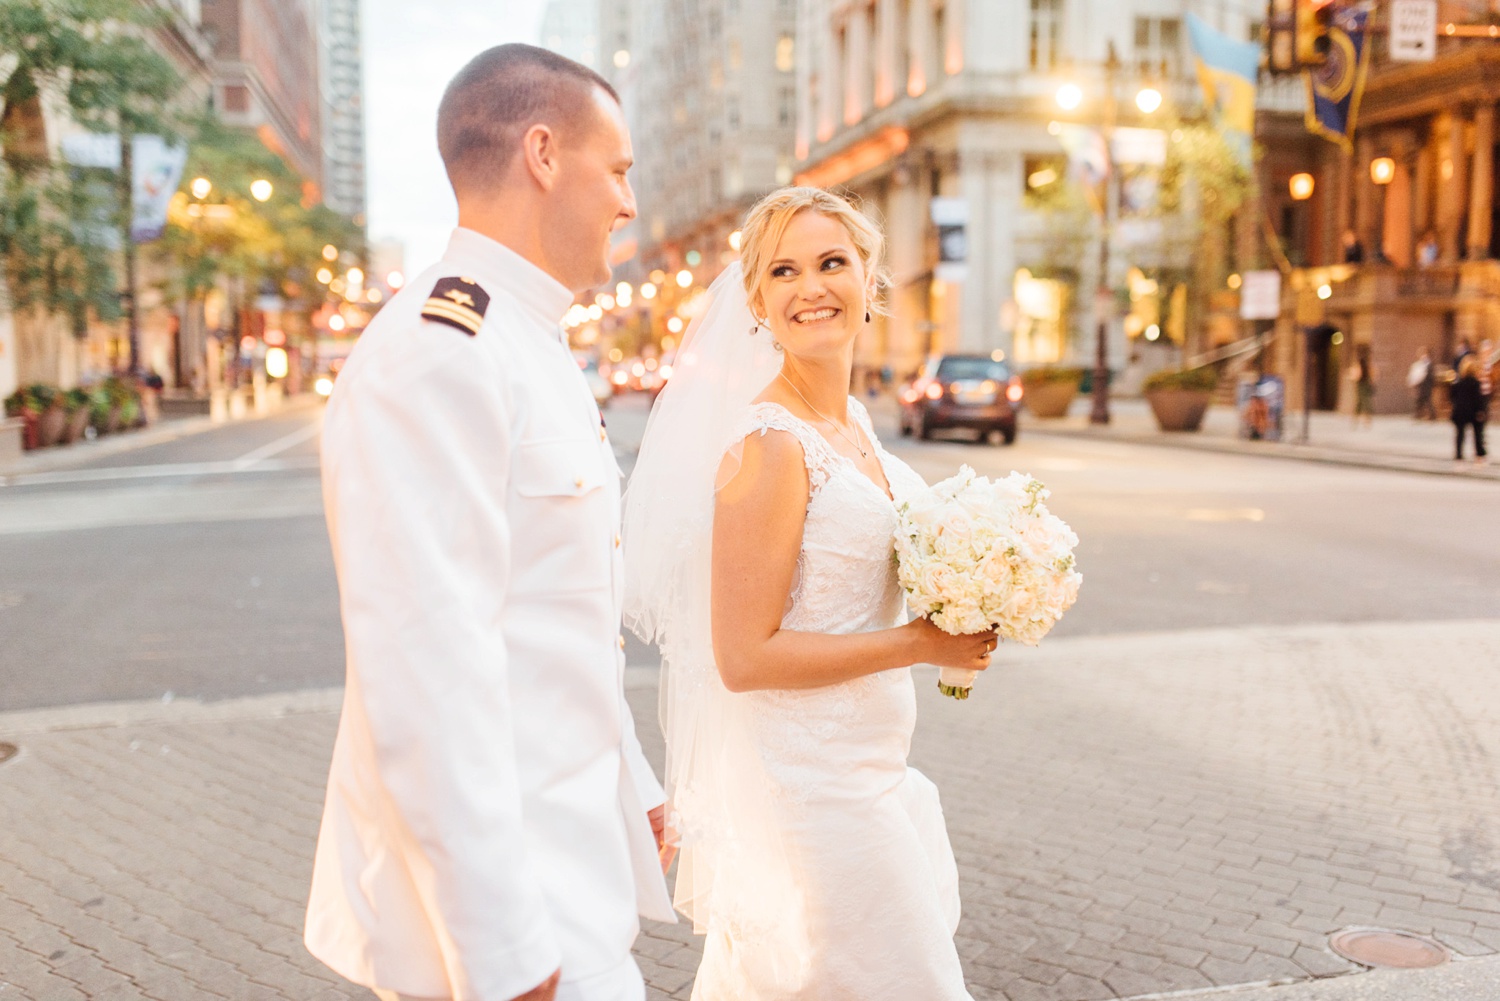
(622, 641)
(578, 483)
(603, 436)
(617, 542)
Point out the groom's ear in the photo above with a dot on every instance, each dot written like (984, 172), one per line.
(539, 155)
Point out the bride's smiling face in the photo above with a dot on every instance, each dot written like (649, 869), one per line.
(813, 292)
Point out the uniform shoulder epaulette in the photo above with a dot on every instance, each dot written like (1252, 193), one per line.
(458, 302)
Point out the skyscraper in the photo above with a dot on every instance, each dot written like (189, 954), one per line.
(342, 64)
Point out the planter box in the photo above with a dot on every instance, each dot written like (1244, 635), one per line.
(1050, 399)
(12, 440)
(78, 422)
(1179, 409)
(51, 425)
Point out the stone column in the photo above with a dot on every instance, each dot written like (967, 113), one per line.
(830, 80)
(1365, 227)
(888, 37)
(1451, 175)
(954, 29)
(1482, 183)
(857, 65)
(919, 43)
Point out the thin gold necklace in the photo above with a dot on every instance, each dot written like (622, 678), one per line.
(830, 421)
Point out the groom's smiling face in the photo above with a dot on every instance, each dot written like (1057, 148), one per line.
(814, 291)
(592, 197)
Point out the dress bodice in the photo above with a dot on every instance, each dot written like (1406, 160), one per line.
(846, 580)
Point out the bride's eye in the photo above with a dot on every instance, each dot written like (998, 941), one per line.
(836, 261)
(781, 271)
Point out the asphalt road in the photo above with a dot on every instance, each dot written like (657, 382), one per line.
(199, 567)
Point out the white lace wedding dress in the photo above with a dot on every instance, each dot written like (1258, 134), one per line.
(864, 838)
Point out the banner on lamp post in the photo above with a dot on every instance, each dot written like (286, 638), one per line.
(1260, 295)
(1413, 37)
(155, 166)
(951, 217)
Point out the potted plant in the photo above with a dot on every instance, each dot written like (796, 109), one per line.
(18, 405)
(102, 414)
(80, 409)
(1179, 399)
(52, 415)
(1050, 389)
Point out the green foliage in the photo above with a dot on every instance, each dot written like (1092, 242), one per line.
(60, 224)
(1203, 380)
(1202, 165)
(229, 233)
(1050, 374)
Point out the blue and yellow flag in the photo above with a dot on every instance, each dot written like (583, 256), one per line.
(1227, 71)
(1334, 89)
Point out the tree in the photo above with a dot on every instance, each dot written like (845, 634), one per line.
(59, 225)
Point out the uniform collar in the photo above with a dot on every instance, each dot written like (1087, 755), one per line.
(494, 266)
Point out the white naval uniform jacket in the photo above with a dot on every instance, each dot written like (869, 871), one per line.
(485, 821)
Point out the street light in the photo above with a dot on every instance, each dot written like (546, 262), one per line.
(356, 276)
(325, 276)
(261, 190)
(1300, 187)
(1382, 170)
(330, 252)
(1148, 99)
(395, 279)
(684, 278)
(200, 187)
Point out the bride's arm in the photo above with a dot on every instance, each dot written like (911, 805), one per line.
(758, 521)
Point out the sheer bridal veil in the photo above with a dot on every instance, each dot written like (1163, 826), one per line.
(732, 863)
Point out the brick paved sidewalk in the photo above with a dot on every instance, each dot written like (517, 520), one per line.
(1133, 815)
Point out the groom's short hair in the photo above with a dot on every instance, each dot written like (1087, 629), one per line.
(491, 103)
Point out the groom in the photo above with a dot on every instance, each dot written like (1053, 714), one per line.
(486, 833)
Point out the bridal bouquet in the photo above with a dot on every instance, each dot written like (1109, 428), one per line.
(975, 554)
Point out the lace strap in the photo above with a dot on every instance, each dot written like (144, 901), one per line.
(818, 455)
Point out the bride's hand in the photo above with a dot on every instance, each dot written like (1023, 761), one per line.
(931, 645)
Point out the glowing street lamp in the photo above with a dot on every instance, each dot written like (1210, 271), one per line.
(200, 187)
(356, 276)
(1300, 187)
(1069, 96)
(1382, 170)
(261, 190)
(1148, 100)
(684, 278)
(325, 276)
(395, 279)
(330, 252)
(648, 291)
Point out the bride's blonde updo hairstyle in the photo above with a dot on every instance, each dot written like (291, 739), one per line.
(769, 218)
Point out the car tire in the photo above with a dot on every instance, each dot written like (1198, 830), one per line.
(905, 429)
(924, 430)
(1008, 436)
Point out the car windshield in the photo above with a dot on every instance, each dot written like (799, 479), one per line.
(956, 369)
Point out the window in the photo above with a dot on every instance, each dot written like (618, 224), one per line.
(1046, 33)
(786, 107)
(1158, 45)
(786, 53)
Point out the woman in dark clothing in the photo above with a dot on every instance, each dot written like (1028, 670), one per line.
(1470, 407)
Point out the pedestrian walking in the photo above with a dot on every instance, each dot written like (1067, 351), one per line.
(1421, 378)
(1470, 408)
(1488, 361)
(1460, 352)
(492, 828)
(1362, 375)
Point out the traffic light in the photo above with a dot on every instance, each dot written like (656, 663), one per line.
(1314, 18)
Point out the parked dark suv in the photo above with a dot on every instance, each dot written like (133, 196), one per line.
(962, 391)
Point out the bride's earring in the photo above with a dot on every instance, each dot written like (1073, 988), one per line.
(867, 316)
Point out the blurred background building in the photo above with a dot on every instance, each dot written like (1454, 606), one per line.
(341, 64)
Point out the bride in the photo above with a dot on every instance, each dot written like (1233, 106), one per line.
(759, 528)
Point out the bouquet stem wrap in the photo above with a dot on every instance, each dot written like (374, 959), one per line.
(955, 682)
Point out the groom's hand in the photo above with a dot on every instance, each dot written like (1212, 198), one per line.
(545, 991)
(665, 851)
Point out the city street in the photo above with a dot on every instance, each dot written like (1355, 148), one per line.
(1273, 714)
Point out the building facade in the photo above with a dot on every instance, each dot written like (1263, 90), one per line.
(342, 79)
(709, 88)
(571, 28)
(1394, 245)
(906, 102)
(266, 58)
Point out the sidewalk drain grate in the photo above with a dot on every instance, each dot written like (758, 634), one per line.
(7, 751)
(1382, 947)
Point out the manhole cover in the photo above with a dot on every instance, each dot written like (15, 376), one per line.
(1381, 947)
(7, 751)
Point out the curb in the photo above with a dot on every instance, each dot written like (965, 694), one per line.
(158, 434)
(1280, 450)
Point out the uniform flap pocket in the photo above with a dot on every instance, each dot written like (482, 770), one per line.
(565, 467)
